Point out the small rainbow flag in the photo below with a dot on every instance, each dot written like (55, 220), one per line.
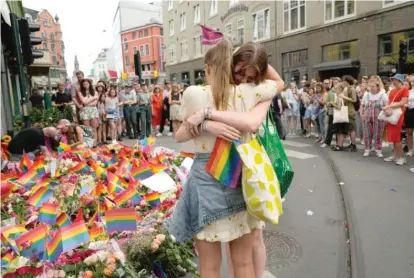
(32, 242)
(7, 259)
(41, 195)
(25, 163)
(100, 172)
(123, 219)
(127, 195)
(63, 220)
(74, 235)
(185, 154)
(27, 178)
(99, 189)
(48, 213)
(142, 172)
(153, 199)
(162, 158)
(108, 203)
(54, 247)
(76, 151)
(81, 168)
(157, 168)
(94, 218)
(225, 163)
(11, 232)
(114, 183)
(97, 233)
(39, 166)
(63, 147)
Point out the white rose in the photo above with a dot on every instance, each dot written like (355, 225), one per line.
(173, 238)
(91, 260)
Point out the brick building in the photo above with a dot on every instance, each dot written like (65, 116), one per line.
(148, 40)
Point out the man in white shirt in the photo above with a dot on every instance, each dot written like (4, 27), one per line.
(130, 112)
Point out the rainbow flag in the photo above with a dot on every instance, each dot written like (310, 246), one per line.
(41, 195)
(162, 158)
(32, 242)
(142, 172)
(108, 203)
(25, 163)
(123, 219)
(157, 168)
(225, 163)
(76, 151)
(11, 232)
(99, 189)
(7, 259)
(55, 247)
(100, 172)
(114, 183)
(97, 233)
(94, 218)
(79, 216)
(48, 213)
(27, 178)
(127, 195)
(63, 220)
(81, 168)
(63, 147)
(153, 199)
(185, 154)
(74, 235)
(39, 166)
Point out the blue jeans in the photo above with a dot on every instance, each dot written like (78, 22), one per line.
(130, 115)
(322, 124)
(145, 119)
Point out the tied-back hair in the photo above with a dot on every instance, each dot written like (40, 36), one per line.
(83, 90)
(253, 55)
(220, 60)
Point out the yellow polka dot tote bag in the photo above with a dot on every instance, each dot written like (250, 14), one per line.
(261, 189)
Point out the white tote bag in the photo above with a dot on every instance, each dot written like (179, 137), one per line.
(395, 114)
(341, 115)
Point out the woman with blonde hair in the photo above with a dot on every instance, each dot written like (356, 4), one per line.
(209, 211)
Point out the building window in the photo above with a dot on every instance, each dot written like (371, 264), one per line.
(54, 60)
(233, 3)
(162, 48)
(213, 7)
(240, 31)
(134, 35)
(52, 36)
(171, 53)
(338, 9)
(140, 34)
(410, 40)
(183, 22)
(294, 15)
(44, 46)
(143, 67)
(197, 46)
(184, 50)
(148, 67)
(126, 61)
(145, 33)
(341, 51)
(134, 49)
(125, 44)
(161, 32)
(171, 25)
(261, 25)
(147, 50)
(44, 35)
(170, 5)
(227, 31)
(197, 14)
(46, 23)
(141, 50)
(52, 47)
(387, 3)
(386, 45)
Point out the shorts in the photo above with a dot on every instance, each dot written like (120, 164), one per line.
(114, 119)
(89, 113)
(344, 128)
(308, 114)
(409, 118)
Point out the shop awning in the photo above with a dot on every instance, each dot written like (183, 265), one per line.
(113, 74)
(341, 64)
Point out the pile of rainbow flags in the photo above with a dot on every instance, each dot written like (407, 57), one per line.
(116, 191)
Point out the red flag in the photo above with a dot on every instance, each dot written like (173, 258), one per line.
(210, 36)
(79, 217)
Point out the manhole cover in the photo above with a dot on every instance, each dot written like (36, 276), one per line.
(281, 250)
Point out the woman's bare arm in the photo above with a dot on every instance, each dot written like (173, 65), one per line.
(273, 75)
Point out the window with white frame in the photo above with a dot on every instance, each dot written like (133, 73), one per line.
(387, 3)
(171, 53)
(145, 33)
(171, 25)
(337, 9)
(240, 30)
(135, 49)
(147, 50)
(197, 46)
(170, 5)
(227, 30)
(197, 14)
(183, 22)
(141, 50)
(184, 50)
(233, 3)
(294, 15)
(261, 25)
(213, 7)
(125, 44)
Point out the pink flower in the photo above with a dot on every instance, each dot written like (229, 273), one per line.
(160, 237)
(154, 247)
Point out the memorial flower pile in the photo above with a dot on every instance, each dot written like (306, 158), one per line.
(93, 213)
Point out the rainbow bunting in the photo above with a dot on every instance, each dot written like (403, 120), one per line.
(97, 233)
(153, 199)
(63, 147)
(25, 163)
(123, 219)
(185, 154)
(63, 220)
(7, 259)
(32, 242)
(48, 213)
(225, 163)
(55, 247)
(11, 232)
(74, 235)
(127, 195)
(142, 172)
(81, 167)
(41, 195)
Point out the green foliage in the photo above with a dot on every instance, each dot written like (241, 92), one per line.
(44, 118)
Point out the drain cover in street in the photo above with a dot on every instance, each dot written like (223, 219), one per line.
(281, 250)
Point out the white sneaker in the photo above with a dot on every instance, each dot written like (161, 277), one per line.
(362, 142)
(159, 134)
(379, 153)
(308, 135)
(409, 153)
(114, 142)
(390, 159)
(400, 161)
(324, 145)
(169, 134)
(366, 153)
(412, 170)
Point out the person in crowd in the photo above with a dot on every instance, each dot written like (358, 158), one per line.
(371, 106)
(112, 113)
(120, 119)
(175, 103)
(350, 98)
(32, 140)
(221, 227)
(130, 111)
(37, 99)
(304, 103)
(397, 99)
(156, 102)
(166, 109)
(331, 102)
(144, 98)
(102, 118)
(409, 118)
(100, 88)
(89, 99)
(74, 90)
(47, 98)
(104, 86)
(311, 113)
(277, 112)
(321, 97)
(360, 90)
(77, 136)
(302, 107)
(292, 113)
(61, 99)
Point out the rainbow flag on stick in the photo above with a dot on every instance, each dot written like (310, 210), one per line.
(100, 172)
(142, 171)
(63, 220)
(225, 163)
(11, 232)
(127, 195)
(185, 154)
(81, 168)
(114, 183)
(153, 199)
(63, 147)
(123, 219)
(54, 247)
(32, 242)
(41, 195)
(25, 163)
(97, 233)
(7, 259)
(74, 235)
(48, 213)
(157, 168)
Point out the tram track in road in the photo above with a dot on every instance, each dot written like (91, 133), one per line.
(352, 264)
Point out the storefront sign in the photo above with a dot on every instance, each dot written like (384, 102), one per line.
(235, 9)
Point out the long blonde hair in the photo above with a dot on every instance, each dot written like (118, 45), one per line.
(220, 60)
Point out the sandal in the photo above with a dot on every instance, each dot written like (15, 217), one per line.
(337, 148)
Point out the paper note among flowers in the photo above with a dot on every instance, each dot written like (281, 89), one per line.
(160, 182)
(187, 164)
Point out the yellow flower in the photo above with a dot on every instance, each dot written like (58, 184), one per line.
(6, 138)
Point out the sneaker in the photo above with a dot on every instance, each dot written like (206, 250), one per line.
(412, 170)
(114, 142)
(366, 153)
(308, 135)
(362, 142)
(409, 153)
(400, 161)
(390, 159)
(159, 134)
(324, 145)
(379, 153)
(169, 134)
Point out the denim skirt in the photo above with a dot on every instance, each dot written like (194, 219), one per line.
(203, 201)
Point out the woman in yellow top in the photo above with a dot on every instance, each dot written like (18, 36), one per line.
(209, 211)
